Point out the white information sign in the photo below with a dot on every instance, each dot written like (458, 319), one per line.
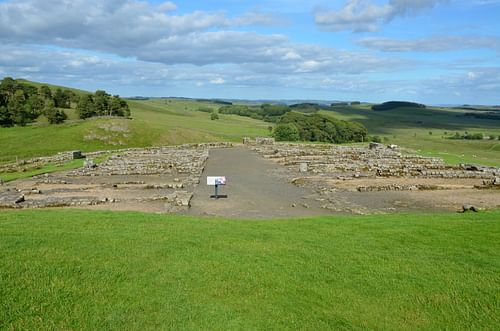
(216, 180)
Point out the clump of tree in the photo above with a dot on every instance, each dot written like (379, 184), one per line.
(265, 112)
(468, 136)
(102, 104)
(22, 103)
(286, 132)
(308, 107)
(485, 116)
(317, 127)
(397, 104)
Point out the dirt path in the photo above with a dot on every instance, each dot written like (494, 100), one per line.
(253, 191)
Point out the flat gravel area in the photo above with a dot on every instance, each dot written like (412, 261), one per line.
(253, 189)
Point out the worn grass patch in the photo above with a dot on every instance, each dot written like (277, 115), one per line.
(70, 269)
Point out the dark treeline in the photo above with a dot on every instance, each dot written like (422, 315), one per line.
(317, 127)
(102, 104)
(493, 109)
(22, 103)
(485, 116)
(396, 104)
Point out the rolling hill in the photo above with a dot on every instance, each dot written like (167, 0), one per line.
(169, 121)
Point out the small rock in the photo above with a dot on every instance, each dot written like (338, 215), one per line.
(20, 199)
(466, 208)
(305, 205)
(294, 205)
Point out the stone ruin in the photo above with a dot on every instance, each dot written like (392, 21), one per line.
(163, 177)
(259, 141)
(344, 162)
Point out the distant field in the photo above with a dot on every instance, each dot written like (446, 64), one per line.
(153, 123)
(424, 130)
(70, 269)
(175, 121)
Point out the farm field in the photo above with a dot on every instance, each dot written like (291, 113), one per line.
(87, 270)
(425, 130)
(174, 121)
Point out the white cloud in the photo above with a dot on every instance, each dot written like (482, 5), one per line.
(432, 44)
(365, 16)
(217, 81)
(167, 6)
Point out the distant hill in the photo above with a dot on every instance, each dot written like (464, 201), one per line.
(397, 104)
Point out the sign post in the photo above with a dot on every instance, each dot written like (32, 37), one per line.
(216, 181)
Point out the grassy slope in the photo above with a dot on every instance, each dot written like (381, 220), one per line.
(410, 128)
(154, 122)
(53, 88)
(85, 270)
(164, 122)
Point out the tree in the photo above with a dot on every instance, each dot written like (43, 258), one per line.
(101, 103)
(15, 107)
(45, 92)
(55, 116)
(85, 107)
(118, 107)
(61, 99)
(286, 132)
(5, 117)
(214, 116)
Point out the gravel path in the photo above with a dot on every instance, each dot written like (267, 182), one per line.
(252, 188)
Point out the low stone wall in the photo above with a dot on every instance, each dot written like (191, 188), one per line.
(347, 161)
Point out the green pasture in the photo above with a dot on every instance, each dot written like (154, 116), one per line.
(426, 131)
(84, 270)
(153, 123)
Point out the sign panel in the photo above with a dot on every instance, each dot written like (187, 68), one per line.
(216, 180)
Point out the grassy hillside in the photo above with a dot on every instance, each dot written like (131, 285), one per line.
(153, 123)
(52, 87)
(86, 270)
(176, 121)
(423, 130)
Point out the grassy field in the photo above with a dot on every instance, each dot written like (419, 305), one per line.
(426, 130)
(154, 123)
(70, 269)
(175, 121)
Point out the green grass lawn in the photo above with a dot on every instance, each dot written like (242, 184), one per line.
(70, 269)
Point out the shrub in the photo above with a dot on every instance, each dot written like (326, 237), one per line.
(286, 132)
(214, 116)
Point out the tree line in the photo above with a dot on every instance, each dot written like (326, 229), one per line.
(102, 104)
(265, 112)
(22, 103)
(295, 126)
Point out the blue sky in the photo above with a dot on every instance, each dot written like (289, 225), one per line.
(430, 51)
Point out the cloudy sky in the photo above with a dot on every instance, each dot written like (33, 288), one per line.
(431, 51)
